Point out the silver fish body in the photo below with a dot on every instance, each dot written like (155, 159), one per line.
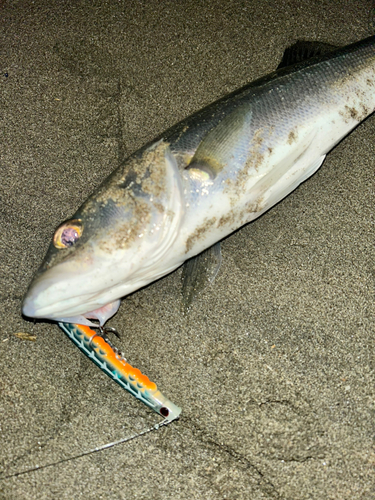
(199, 181)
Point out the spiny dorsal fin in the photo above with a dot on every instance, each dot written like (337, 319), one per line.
(303, 50)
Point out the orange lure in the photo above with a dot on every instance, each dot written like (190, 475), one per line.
(113, 364)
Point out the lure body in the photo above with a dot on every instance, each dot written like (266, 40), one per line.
(116, 367)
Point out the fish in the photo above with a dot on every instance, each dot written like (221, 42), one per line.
(199, 181)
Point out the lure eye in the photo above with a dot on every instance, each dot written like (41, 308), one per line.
(68, 233)
(164, 412)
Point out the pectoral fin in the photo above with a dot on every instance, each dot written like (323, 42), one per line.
(227, 142)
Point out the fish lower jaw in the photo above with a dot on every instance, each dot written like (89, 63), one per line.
(101, 314)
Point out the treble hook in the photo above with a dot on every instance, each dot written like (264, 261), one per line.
(108, 329)
(103, 331)
(103, 334)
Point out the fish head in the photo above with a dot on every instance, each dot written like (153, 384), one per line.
(115, 243)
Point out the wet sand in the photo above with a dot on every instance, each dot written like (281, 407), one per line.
(274, 365)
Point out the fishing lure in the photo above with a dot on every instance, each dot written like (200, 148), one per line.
(101, 351)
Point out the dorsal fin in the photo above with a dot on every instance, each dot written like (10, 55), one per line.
(303, 50)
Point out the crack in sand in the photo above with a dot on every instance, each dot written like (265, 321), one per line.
(205, 438)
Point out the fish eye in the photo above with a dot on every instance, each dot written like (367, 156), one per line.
(68, 233)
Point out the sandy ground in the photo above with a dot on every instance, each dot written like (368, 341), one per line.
(274, 365)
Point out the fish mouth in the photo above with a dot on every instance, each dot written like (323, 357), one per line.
(56, 310)
(61, 313)
(41, 302)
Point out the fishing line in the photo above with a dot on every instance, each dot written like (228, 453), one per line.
(90, 452)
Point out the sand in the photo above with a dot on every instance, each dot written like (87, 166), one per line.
(274, 365)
